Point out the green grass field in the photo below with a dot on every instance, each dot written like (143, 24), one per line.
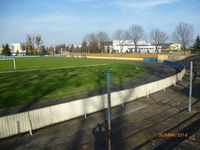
(22, 88)
(45, 62)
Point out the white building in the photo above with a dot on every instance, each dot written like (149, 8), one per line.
(129, 46)
(77, 45)
(171, 47)
(17, 49)
(1, 48)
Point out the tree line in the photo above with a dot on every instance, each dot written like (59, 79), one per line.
(33, 46)
(183, 34)
(94, 42)
(99, 42)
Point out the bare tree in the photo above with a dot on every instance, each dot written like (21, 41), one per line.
(90, 37)
(92, 41)
(136, 33)
(84, 47)
(184, 34)
(38, 41)
(30, 44)
(23, 47)
(101, 38)
(158, 37)
(122, 36)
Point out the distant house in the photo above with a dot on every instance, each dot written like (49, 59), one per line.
(18, 49)
(129, 46)
(77, 45)
(1, 50)
(108, 46)
(171, 47)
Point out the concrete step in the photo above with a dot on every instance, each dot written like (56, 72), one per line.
(186, 129)
(148, 134)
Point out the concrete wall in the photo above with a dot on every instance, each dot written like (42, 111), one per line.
(35, 119)
(174, 57)
(161, 57)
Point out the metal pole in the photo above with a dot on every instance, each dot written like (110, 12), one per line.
(109, 110)
(190, 91)
(54, 49)
(14, 64)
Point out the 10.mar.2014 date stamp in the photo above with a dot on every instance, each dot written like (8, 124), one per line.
(178, 134)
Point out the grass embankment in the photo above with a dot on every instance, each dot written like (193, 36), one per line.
(25, 88)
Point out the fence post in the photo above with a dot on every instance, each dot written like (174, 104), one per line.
(14, 64)
(109, 110)
(190, 90)
(30, 124)
(85, 116)
(18, 127)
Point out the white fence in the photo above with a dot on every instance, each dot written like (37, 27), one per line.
(35, 119)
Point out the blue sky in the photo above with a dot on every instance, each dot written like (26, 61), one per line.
(67, 21)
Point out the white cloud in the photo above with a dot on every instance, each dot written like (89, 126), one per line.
(142, 4)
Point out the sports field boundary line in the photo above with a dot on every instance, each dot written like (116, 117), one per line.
(54, 68)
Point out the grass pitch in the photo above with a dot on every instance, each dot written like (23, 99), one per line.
(32, 86)
(45, 62)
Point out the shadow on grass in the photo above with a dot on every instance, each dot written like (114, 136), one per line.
(98, 132)
(33, 87)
